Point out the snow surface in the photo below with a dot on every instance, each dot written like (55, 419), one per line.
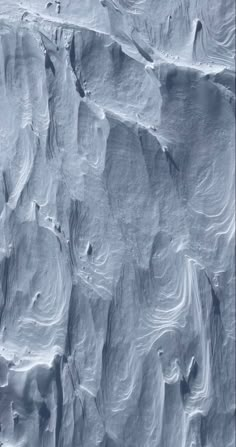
(117, 221)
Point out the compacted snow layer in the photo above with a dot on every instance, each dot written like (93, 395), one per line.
(117, 159)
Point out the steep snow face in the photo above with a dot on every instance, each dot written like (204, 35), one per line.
(117, 209)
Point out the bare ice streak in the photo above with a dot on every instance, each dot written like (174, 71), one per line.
(117, 215)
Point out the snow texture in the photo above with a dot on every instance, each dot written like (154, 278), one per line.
(117, 210)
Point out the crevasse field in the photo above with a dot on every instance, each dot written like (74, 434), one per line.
(117, 210)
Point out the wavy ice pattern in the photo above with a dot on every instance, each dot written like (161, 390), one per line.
(117, 209)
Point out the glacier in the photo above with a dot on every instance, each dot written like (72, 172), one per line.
(117, 223)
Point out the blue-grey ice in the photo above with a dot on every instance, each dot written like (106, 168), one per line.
(117, 223)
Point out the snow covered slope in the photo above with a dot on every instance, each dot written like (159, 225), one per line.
(117, 210)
